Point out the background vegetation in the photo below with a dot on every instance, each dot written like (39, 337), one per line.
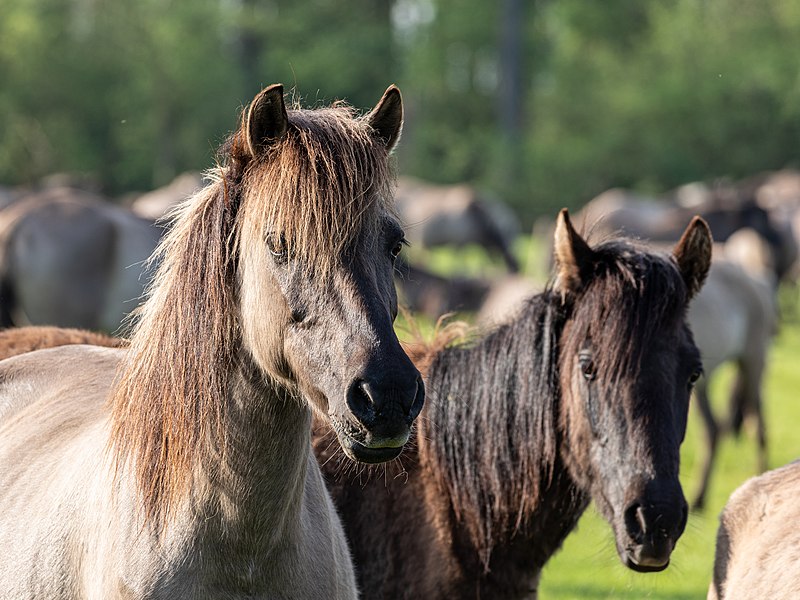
(544, 102)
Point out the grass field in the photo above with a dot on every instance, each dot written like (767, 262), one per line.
(587, 567)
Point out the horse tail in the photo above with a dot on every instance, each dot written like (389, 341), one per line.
(9, 217)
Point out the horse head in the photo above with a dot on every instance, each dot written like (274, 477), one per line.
(317, 246)
(628, 365)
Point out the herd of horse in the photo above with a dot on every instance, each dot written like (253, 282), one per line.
(211, 448)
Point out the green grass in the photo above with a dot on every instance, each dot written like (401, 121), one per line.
(587, 567)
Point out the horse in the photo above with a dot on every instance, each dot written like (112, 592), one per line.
(433, 295)
(158, 204)
(18, 340)
(583, 396)
(425, 292)
(182, 467)
(438, 215)
(734, 318)
(69, 258)
(757, 542)
(726, 208)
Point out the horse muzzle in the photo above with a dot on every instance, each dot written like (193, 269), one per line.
(357, 451)
(652, 530)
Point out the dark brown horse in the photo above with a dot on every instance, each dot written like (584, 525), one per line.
(18, 340)
(584, 396)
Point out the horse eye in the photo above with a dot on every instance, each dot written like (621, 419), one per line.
(277, 246)
(695, 376)
(398, 247)
(587, 367)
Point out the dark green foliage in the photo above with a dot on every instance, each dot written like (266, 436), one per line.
(648, 94)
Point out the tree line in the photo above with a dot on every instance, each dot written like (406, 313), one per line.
(544, 103)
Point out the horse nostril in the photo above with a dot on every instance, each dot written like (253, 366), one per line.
(635, 522)
(360, 402)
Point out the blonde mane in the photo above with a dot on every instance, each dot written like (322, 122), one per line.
(323, 183)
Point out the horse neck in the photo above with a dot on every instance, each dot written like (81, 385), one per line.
(492, 438)
(256, 483)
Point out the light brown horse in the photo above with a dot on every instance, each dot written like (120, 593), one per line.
(182, 467)
(733, 319)
(758, 542)
(584, 395)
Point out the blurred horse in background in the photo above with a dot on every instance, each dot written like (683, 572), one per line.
(726, 208)
(433, 295)
(158, 204)
(733, 319)
(69, 258)
(437, 215)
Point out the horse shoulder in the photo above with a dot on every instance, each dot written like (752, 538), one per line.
(758, 545)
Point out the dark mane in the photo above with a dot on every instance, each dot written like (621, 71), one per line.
(494, 436)
(318, 186)
(492, 483)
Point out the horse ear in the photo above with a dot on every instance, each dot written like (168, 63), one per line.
(693, 254)
(386, 119)
(574, 257)
(267, 120)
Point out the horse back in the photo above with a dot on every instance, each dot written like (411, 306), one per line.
(758, 542)
(53, 433)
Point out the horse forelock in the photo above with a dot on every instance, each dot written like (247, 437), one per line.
(634, 297)
(322, 186)
(490, 437)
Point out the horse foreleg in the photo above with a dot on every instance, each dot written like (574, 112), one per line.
(7, 303)
(747, 402)
(711, 435)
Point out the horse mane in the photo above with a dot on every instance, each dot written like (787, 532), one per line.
(319, 185)
(492, 422)
(316, 186)
(493, 410)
